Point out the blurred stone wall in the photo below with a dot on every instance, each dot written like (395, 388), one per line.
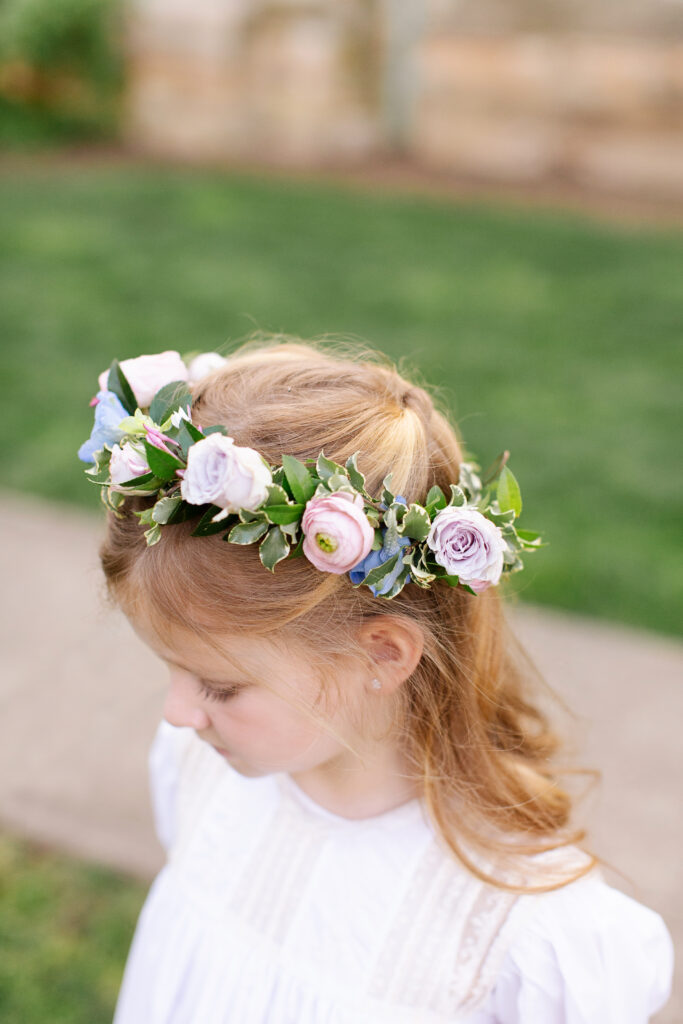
(513, 90)
(285, 79)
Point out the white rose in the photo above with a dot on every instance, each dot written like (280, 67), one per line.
(125, 464)
(146, 374)
(468, 545)
(221, 473)
(204, 364)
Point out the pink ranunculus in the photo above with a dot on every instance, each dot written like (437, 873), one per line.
(146, 374)
(125, 464)
(337, 534)
(219, 472)
(468, 545)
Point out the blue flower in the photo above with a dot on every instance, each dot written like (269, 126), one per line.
(379, 557)
(108, 414)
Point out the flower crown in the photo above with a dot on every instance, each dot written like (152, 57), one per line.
(144, 442)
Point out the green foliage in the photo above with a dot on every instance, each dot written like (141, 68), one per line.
(550, 334)
(509, 495)
(415, 523)
(273, 548)
(168, 399)
(118, 384)
(65, 930)
(299, 479)
(247, 533)
(162, 464)
(61, 69)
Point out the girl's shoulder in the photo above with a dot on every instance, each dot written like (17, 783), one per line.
(585, 953)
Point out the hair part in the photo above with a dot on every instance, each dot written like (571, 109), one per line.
(468, 716)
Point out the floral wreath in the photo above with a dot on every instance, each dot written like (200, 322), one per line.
(144, 442)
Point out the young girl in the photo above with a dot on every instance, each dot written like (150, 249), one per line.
(351, 780)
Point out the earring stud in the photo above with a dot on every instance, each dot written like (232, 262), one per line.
(376, 684)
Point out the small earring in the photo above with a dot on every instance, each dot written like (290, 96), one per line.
(376, 684)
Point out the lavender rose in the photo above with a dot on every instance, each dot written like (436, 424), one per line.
(468, 545)
(219, 472)
(337, 534)
(146, 374)
(125, 464)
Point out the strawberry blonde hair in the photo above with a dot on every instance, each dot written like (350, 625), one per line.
(468, 715)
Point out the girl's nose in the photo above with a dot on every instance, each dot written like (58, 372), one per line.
(182, 706)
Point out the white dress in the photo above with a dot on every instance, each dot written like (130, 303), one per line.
(273, 910)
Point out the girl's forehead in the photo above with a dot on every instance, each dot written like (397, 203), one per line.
(186, 649)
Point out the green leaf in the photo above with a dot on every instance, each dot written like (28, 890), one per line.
(528, 535)
(99, 473)
(420, 573)
(290, 529)
(355, 475)
(246, 515)
(165, 507)
(162, 464)
(117, 383)
(171, 397)
(436, 499)
(457, 496)
(415, 523)
(469, 480)
(326, 468)
(153, 535)
(495, 468)
(509, 494)
(138, 481)
(205, 527)
(284, 514)
(452, 581)
(298, 551)
(273, 548)
(398, 585)
(187, 435)
(500, 518)
(276, 495)
(217, 428)
(246, 533)
(278, 477)
(387, 495)
(301, 482)
(376, 575)
(146, 484)
(145, 516)
(378, 542)
(339, 482)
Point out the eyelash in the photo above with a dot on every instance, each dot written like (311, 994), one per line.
(218, 695)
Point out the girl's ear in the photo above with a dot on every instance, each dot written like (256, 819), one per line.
(394, 645)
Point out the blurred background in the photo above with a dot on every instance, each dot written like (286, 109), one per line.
(491, 192)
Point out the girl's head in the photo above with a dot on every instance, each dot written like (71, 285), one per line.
(301, 647)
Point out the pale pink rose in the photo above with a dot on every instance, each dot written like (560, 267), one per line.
(125, 464)
(468, 545)
(203, 364)
(146, 374)
(219, 472)
(337, 534)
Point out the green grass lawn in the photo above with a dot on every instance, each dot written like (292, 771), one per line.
(554, 336)
(65, 930)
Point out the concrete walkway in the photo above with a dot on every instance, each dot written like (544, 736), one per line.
(81, 698)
